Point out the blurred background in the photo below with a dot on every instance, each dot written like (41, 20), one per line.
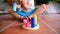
(53, 5)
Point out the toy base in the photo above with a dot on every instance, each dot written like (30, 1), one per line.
(35, 28)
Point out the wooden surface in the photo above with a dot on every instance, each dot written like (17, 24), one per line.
(49, 24)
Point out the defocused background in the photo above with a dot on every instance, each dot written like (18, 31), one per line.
(53, 5)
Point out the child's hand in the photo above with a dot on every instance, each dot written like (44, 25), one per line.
(18, 6)
(23, 1)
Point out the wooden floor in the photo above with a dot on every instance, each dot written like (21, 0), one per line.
(49, 24)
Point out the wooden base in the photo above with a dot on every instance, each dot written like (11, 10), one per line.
(35, 28)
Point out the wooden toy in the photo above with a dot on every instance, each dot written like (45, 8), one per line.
(26, 22)
(31, 26)
(32, 22)
(35, 16)
(14, 6)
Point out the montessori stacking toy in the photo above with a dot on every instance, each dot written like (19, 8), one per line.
(32, 24)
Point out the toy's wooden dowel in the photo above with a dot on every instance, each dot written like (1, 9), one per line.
(35, 16)
(14, 6)
(32, 22)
